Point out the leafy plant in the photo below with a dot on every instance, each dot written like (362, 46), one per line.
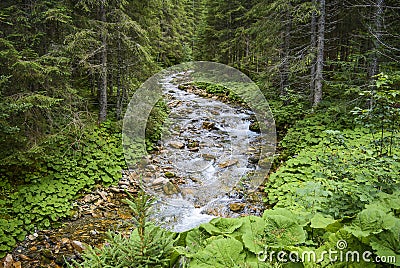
(47, 186)
(155, 124)
(382, 117)
(146, 246)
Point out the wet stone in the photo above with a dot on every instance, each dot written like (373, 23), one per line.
(228, 163)
(253, 160)
(254, 127)
(160, 180)
(47, 253)
(170, 189)
(208, 156)
(208, 125)
(8, 261)
(236, 207)
(176, 144)
(78, 246)
(169, 174)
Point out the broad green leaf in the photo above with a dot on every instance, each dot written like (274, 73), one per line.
(370, 221)
(195, 240)
(387, 244)
(220, 253)
(222, 226)
(253, 234)
(321, 221)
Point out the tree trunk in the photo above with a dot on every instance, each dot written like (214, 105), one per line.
(284, 85)
(119, 97)
(103, 71)
(320, 55)
(374, 69)
(313, 44)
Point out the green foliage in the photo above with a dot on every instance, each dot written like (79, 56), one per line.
(305, 130)
(146, 246)
(48, 183)
(337, 176)
(248, 241)
(155, 124)
(128, 251)
(218, 90)
(382, 117)
(220, 253)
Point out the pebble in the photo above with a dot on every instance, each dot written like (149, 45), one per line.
(236, 207)
(78, 246)
(8, 261)
(32, 236)
(177, 144)
(123, 183)
(160, 180)
(169, 188)
(93, 232)
(228, 163)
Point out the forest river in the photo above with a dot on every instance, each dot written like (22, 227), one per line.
(205, 166)
(206, 151)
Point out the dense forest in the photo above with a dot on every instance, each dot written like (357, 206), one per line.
(329, 69)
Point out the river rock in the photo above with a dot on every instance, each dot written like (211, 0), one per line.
(187, 191)
(193, 144)
(174, 103)
(177, 144)
(160, 180)
(208, 125)
(147, 179)
(236, 207)
(123, 183)
(151, 167)
(253, 160)
(169, 188)
(103, 194)
(33, 236)
(78, 246)
(208, 156)
(8, 261)
(255, 126)
(47, 253)
(169, 174)
(228, 163)
(90, 198)
(265, 162)
(24, 257)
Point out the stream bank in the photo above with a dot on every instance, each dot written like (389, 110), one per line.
(102, 209)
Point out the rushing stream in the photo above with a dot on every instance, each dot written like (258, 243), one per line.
(202, 156)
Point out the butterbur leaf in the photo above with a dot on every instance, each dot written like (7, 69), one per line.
(387, 244)
(321, 221)
(253, 234)
(283, 231)
(286, 213)
(222, 226)
(274, 230)
(370, 221)
(195, 240)
(387, 202)
(220, 253)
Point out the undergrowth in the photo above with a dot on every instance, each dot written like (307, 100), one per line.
(38, 192)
